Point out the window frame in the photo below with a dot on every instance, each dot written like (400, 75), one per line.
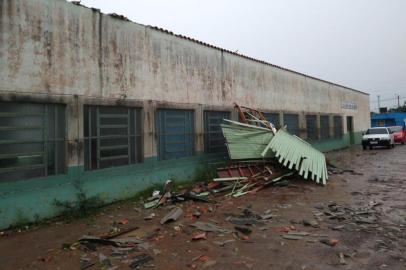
(315, 133)
(338, 128)
(93, 116)
(161, 135)
(293, 131)
(51, 148)
(269, 115)
(324, 131)
(208, 146)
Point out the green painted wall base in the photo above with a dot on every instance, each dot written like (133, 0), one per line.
(34, 199)
(335, 144)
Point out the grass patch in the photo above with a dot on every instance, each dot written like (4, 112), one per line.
(146, 192)
(79, 208)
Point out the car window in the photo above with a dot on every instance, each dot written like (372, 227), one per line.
(377, 131)
(396, 129)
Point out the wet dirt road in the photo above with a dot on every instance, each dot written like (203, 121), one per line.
(364, 210)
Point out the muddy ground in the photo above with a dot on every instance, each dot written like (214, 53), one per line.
(362, 212)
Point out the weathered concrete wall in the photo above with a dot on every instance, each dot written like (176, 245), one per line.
(54, 47)
(54, 51)
(49, 47)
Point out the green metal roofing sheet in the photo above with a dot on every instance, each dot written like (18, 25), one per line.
(295, 153)
(245, 142)
(251, 142)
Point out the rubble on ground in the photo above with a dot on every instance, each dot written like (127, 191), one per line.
(260, 156)
(256, 138)
(347, 225)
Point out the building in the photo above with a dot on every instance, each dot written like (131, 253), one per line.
(388, 119)
(98, 105)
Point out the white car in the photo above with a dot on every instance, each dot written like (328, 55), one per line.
(378, 136)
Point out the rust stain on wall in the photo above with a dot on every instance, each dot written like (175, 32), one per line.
(15, 40)
(2, 32)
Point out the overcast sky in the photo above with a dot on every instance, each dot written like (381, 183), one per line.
(358, 43)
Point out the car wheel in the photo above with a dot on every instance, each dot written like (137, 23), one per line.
(403, 143)
(370, 147)
(393, 145)
(364, 147)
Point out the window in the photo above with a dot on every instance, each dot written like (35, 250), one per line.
(273, 118)
(292, 123)
(380, 123)
(311, 127)
(324, 127)
(32, 140)
(376, 131)
(213, 136)
(338, 126)
(175, 133)
(112, 136)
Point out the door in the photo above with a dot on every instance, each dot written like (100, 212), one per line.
(350, 128)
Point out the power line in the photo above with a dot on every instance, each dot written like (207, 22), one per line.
(388, 99)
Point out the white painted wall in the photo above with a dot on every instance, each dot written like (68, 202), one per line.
(53, 48)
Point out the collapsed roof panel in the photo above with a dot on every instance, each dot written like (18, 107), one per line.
(245, 141)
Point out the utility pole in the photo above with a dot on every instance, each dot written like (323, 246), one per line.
(398, 97)
(379, 103)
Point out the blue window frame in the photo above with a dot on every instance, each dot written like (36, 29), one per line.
(292, 122)
(175, 133)
(338, 126)
(273, 118)
(311, 127)
(213, 136)
(324, 127)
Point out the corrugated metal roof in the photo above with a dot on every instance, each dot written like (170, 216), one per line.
(295, 153)
(244, 142)
(121, 17)
(251, 142)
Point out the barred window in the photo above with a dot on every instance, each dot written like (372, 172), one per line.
(273, 118)
(311, 127)
(213, 136)
(338, 126)
(112, 136)
(175, 133)
(292, 122)
(324, 127)
(32, 140)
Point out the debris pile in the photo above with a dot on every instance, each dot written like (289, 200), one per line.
(346, 217)
(168, 196)
(129, 250)
(260, 156)
(248, 178)
(254, 138)
(236, 179)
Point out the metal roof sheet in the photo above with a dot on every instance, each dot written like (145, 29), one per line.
(245, 142)
(295, 153)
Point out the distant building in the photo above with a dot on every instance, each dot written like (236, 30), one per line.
(388, 119)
